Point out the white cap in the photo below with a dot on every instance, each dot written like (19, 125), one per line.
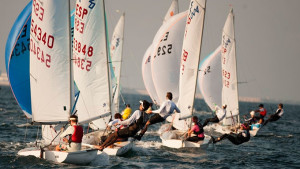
(224, 105)
(252, 113)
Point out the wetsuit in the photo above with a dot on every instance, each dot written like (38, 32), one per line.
(237, 139)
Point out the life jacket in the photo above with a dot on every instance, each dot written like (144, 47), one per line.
(77, 135)
(201, 131)
(263, 113)
(141, 122)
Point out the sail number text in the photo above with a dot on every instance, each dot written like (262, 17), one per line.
(79, 48)
(226, 78)
(40, 54)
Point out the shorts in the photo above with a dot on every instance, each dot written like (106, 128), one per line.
(156, 119)
(127, 132)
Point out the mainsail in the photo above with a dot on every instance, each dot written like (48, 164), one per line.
(50, 71)
(90, 54)
(190, 58)
(229, 73)
(116, 49)
(210, 79)
(165, 58)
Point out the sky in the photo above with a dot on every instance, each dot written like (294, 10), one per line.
(267, 40)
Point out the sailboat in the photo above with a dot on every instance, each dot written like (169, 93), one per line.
(190, 58)
(92, 73)
(228, 74)
(51, 78)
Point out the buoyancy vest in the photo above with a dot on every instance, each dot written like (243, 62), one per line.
(141, 122)
(200, 129)
(263, 113)
(77, 135)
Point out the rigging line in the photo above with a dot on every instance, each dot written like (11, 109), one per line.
(122, 98)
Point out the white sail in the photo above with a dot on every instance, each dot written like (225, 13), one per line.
(165, 58)
(189, 65)
(210, 79)
(229, 74)
(116, 48)
(173, 10)
(50, 61)
(146, 64)
(147, 76)
(91, 72)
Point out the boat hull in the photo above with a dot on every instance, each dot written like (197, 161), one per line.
(181, 143)
(118, 149)
(78, 157)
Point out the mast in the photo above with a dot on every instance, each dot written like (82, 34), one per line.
(71, 79)
(236, 68)
(107, 59)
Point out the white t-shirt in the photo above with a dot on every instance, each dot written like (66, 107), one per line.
(166, 109)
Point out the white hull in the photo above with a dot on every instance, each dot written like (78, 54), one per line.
(254, 132)
(78, 157)
(176, 142)
(220, 128)
(118, 149)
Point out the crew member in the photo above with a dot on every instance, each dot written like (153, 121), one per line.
(277, 115)
(197, 130)
(220, 115)
(136, 122)
(165, 110)
(75, 132)
(237, 139)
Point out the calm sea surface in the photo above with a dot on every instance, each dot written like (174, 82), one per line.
(277, 145)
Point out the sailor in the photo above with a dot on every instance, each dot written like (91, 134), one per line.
(237, 139)
(197, 130)
(127, 112)
(220, 115)
(252, 119)
(75, 132)
(165, 110)
(262, 112)
(277, 115)
(136, 122)
(118, 119)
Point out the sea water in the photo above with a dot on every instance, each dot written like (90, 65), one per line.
(276, 145)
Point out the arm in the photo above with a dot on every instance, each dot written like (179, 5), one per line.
(131, 119)
(177, 109)
(68, 131)
(160, 109)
